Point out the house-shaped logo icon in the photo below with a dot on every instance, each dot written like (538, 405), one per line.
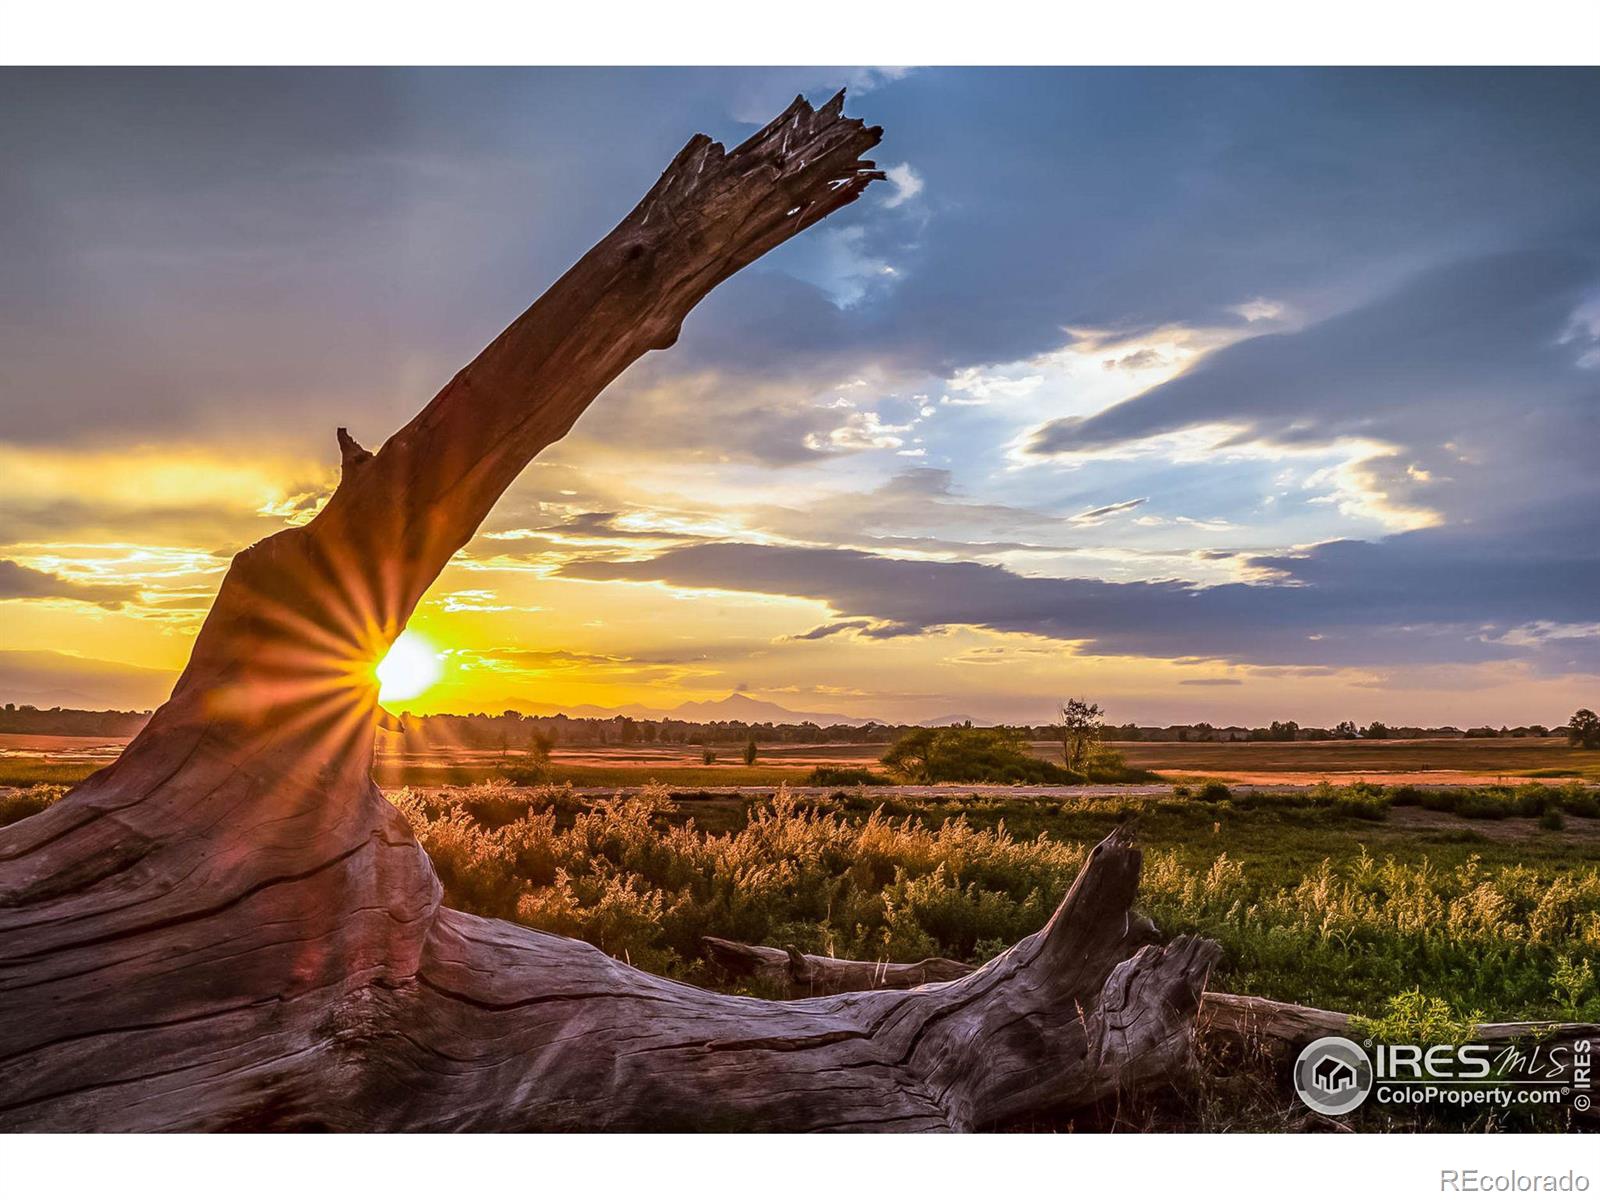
(1333, 1075)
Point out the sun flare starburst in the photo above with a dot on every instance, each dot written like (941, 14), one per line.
(410, 668)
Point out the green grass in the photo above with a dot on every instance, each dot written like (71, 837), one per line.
(22, 772)
(558, 774)
(1512, 757)
(1312, 899)
(14, 806)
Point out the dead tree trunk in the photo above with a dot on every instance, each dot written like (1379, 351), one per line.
(799, 975)
(1273, 1025)
(231, 928)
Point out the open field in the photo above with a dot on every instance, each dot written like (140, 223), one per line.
(33, 758)
(1421, 921)
(1433, 762)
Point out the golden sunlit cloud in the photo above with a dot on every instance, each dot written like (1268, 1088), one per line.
(410, 668)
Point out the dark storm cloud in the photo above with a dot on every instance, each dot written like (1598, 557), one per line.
(1350, 617)
(209, 249)
(18, 582)
(1456, 344)
(829, 630)
(190, 250)
(1484, 389)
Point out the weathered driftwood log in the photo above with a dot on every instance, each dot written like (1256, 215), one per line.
(1257, 1020)
(230, 928)
(1249, 1019)
(817, 975)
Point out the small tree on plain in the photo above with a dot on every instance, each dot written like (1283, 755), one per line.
(1584, 730)
(750, 751)
(1080, 732)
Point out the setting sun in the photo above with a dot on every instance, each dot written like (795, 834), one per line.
(410, 668)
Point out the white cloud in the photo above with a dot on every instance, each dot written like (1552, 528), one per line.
(1260, 309)
(861, 431)
(907, 184)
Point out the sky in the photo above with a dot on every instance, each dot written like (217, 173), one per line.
(1227, 395)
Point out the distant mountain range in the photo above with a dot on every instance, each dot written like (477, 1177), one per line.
(733, 707)
(48, 679)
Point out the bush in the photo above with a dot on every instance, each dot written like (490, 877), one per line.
(1580, 801)
(1552, 819)
(1214, 791)
(1413, 1017)
(1483, 806)
(529, 776)
(27, 802)
(965, 754)
(844, 777)
(1439, 801)
(1105, 765)
(1534, 799)
(1363, 804)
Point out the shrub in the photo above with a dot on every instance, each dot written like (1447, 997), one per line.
(1483, 806)
(1105, 765)
(1534, 799)
(1571, 983)
(843, 777)
(1413, 1017)
(1580, 801)
(1552, 819)
(27, 802)
(1362, 804)
(1214, 791)
(965, 754)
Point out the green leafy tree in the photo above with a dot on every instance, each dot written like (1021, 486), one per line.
(1584, 729)
(750, 751)
(1080, 733)
(963, 754)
